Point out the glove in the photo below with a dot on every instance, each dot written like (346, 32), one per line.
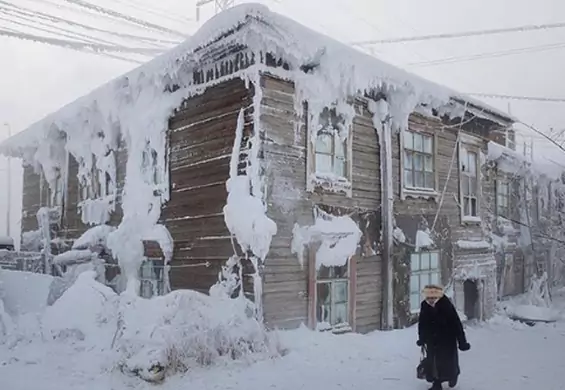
(419, 343)
(464, 346)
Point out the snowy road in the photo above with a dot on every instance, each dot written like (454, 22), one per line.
(504, 356)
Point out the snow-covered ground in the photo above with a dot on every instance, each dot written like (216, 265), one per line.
(505, 355)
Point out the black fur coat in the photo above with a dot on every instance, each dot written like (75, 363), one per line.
(440, 330)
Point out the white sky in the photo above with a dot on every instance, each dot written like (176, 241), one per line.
(36, 79)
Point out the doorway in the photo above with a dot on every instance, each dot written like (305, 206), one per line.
(471, 292)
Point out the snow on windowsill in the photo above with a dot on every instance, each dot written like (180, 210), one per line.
(422, 193)
(471, 220)
(330, 182)
(470, 245)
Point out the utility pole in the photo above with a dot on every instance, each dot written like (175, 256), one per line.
(8, 186)
(220, 5)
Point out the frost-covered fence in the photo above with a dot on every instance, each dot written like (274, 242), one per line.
(21, 261)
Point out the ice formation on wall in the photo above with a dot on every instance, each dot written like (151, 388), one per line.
(337, 237)
(245, 211)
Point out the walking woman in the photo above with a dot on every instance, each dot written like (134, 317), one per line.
(440, 331)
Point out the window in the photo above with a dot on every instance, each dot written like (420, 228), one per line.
(468, 161)
(97, 183)
(503, 198)
(330, 154)
(329, 161)
(151, 278)
(332, 297)
(424, 270)
(419, 161)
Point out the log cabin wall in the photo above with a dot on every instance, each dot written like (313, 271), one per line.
(288, 292)
(201, 137)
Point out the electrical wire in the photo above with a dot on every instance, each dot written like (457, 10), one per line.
(127, 18)
(494, 31)
(23, 11)
(514, 97)
(481, 56)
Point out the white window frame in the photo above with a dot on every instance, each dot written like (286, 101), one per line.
(425, 267)
(332, 283)
(320, 180)
(471, 144)
(405, 190)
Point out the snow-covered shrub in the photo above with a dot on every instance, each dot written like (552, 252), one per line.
(187, 328)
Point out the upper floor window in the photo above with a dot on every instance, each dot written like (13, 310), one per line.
(418, 161)
(503, 198)
(330, 153)
(469, 181)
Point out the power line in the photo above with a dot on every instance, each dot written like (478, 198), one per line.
(531, 27)
(15, 10)
(94, 47)
(514, 97)
(481, 56)
(128, 18)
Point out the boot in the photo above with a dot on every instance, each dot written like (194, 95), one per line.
(453, 382)
(436, 386)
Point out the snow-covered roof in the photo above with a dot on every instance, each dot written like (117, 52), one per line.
(261, 30)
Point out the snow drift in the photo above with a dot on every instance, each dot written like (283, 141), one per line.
(152, 337)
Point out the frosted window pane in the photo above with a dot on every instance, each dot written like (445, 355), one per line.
(434, 260)
(463, 159)
(408, 161)
(339, 314)
(473, 163)
(424, 280)
(414, 285)
(418, 162)
(339, 147)
(418, 142)
(415, 263)
(425, 261)
(324, 143)
(340, 292)
(435, 278)
(419, 179)
(414, 302)
(428, 145)
(429, 180)
(465, 185)
(323, 163)
(428, 164)
(339, 167)
(408, 140)
(408, 178)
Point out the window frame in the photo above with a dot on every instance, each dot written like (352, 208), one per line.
(503, 181)
(157, 270)
(316, 180)
(406, 191)
(332, 282)
(471, 144)
(312, 293)
(94, 190)
(422, 271)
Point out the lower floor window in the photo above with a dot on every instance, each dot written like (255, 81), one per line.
(332, 297)
(424, 270)
(151, 278)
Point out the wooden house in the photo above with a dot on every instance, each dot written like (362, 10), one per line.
(352, 183)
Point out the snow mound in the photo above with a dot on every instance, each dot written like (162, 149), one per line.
(186, 328)
(24, 292)
(533, 313)
(86, 311)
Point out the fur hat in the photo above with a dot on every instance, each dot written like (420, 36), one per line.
(433, 291)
